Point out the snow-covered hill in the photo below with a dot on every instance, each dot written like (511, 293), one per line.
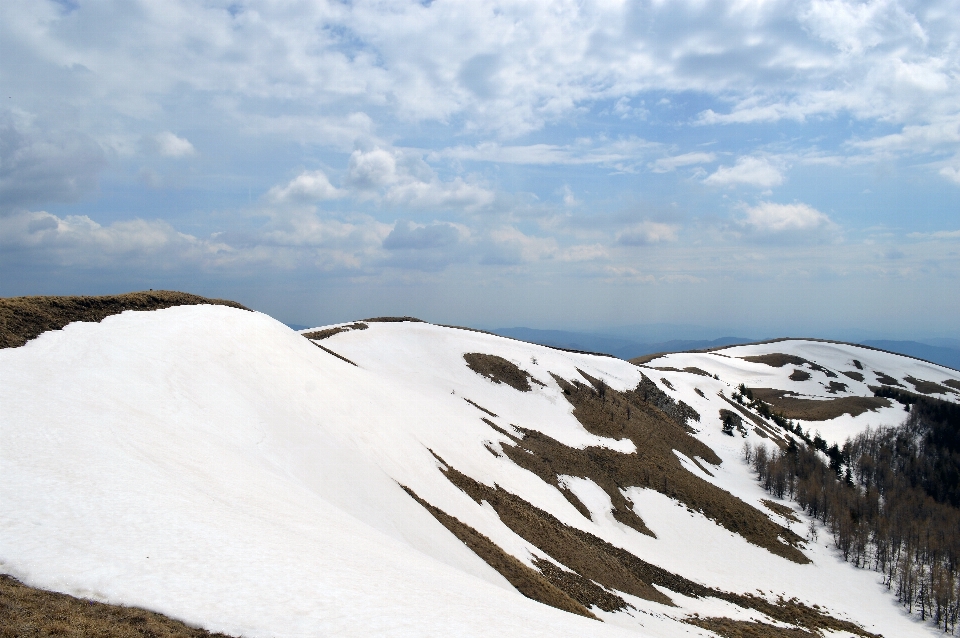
(211, 464)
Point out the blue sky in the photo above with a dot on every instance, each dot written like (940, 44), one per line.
(759, 166)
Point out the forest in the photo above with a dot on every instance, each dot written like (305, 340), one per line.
(890, 498)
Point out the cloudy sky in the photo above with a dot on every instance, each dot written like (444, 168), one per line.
(766, 166)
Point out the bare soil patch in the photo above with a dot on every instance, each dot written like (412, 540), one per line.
(850, 374)
(326, 333)
(836, 386)
(26, 318)
(799, 375)
(794, 407)
(952, 383)
(927, 387)
(499, 370)
(27, 612)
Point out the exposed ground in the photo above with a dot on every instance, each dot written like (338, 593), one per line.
(318, 335)
(794, 407)
(927, 387)
(26, 318)
(778, 360)
(26, 612)
(499, 370)
(596, 570)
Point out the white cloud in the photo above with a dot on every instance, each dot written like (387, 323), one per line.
(951, 173)
(667, 164)
(404, 179)
(768, 217)
(752, 171)
(169, 145)
(647, 232)
(307, 187)
(509, 246)
(583, 252)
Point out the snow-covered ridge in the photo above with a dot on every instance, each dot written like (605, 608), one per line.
(212, 464)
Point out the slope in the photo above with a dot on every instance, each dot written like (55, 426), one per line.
(212, 465)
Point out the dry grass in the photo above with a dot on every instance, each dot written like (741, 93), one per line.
(781, 509)
(799, 375)
(927, 387)
(596, 570)
(26, 612)
(26, 318)
(326, 333)
(779, 359)
(499, 370)
(952, 383)
(850, 374)
(886, 379)
(392, 320)
(793, 407)
(729, 628)
(654, 465)
(527, 581)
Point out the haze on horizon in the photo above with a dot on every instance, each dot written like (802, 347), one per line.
(765, 167)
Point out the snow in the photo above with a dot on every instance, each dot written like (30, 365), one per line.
(211, 464)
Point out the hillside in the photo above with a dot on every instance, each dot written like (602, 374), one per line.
(402, 478)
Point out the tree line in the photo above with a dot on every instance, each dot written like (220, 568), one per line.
(890, 498)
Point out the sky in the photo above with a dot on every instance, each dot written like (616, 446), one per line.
(759, 167)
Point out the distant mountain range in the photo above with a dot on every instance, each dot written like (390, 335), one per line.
(942, 351)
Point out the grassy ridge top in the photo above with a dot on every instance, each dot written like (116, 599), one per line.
(26, 318)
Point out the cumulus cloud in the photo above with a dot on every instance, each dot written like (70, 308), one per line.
(406, 180)
(951, 173)
(409, 236)
(750, 171)
(79, 240)
(768, 217)
(646, 233)
(307, 187)
(170, 145)
(507, 245)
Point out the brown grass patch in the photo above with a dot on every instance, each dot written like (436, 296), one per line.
(499, 370)
(35, 613)
(481, 408)
(615, 569)
(886, 379)
(952, 383)
(836, 386)
(850, 374)
(326, 333)
(331, 352)
(616, 415)
(926, 387)
(793, 407)
(393, 320)
(763, 428)
(729, 628)
(526, 580)
(799, 375)
(26, 318)
(779, 359)
(781, 509)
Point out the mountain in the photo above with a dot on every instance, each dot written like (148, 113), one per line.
(393, 477)
(616, 346)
